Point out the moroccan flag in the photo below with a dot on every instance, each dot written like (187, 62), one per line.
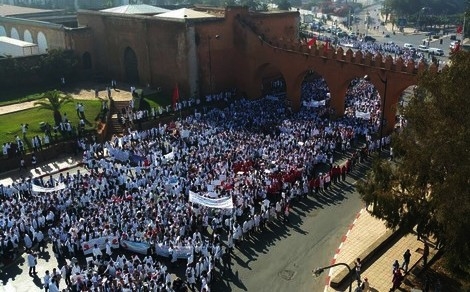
(312, 42)
(460, 29)
(176, 96)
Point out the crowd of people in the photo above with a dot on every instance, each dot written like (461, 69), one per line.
(152, 199)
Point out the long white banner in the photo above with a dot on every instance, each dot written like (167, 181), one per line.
(362, 115)
(138, 247)
(39, 189)
(219, 203)
(87, 246)
(182, 252)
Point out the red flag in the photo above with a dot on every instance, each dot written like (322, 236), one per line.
(460, 29)
(176, 96)
(312, 42)
(326, 46)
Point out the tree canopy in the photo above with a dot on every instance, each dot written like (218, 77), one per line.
(53, 101)
(428, 185)
(410, 7)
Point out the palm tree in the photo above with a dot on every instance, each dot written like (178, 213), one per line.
(54, 100)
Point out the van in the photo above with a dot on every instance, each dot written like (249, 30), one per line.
(436, 51)
(423, 48)
(408, 46)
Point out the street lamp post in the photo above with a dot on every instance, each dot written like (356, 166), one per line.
(209, 38)
(317, 272)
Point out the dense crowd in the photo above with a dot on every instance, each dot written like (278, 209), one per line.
(136, 194)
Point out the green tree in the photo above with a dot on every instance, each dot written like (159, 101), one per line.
(428, 186)
(284, 5)
(54, 100)
(56, 64)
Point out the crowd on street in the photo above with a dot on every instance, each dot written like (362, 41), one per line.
(189, 191)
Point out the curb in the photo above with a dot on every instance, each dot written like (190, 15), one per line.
(338, 250)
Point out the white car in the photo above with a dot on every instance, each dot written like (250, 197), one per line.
(423, 48)
(436, 51)
(408, 46)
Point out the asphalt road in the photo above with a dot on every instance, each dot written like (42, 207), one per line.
(282, 258)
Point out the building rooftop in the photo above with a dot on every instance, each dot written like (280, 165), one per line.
(185, 13)
(19, 43)
(136, 9)
(10, 10)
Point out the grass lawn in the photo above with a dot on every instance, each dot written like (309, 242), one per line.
(10, 124)
(154, 100)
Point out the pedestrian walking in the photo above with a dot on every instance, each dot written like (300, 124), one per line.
(406, 260)
(365, 285)
(32, 262)
(46, 280)
(34, 161)
(396, 280)
(357, 268)
(227, 261)
(286, 213)
(425, 253)
(395, 266)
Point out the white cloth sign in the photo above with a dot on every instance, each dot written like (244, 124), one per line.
(182, 252)
(362, 115)
(39, 189)
(219, 203)
(87, 246)
(134, 246)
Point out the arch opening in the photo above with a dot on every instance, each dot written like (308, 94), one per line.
(27, 37)
(363, 106)
(42, 43)
(314, 91)
(408, 93)
(3, 31)
(131, 65)
(14, 33)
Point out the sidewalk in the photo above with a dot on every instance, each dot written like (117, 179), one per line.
(378, 248)
(46, 168)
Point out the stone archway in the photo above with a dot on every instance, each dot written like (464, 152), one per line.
(42, 43)
(27, 37)
(131, 65)
(3, 31)
(314, 91)
(363, 102)
(14, 33)
(86, 61)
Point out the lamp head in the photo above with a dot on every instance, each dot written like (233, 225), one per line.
(318, 271)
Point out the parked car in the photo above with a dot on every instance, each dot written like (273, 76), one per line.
(423, 48)
(368, 38)
(436, 51)
(408, 46)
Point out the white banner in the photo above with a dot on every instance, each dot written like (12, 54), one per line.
(120, 155)
(314, 103)
(168, 157)
(220, 203)
(87, 246)
(362, 115)
(39, 189)
(134, 246)
(182, 252)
